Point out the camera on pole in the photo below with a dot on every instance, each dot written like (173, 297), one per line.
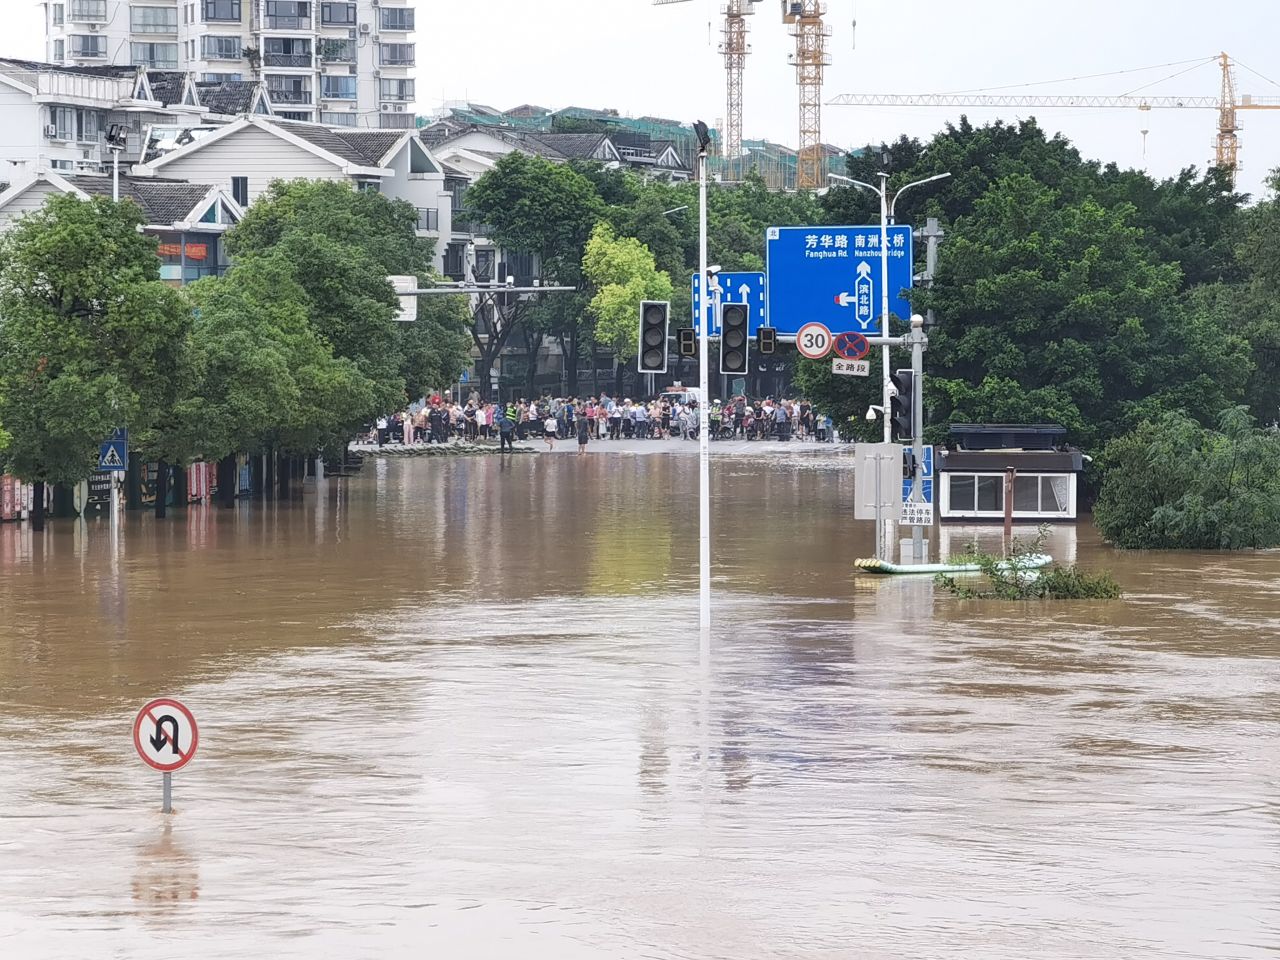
(900, 404)
(734, 340)
(687, 342)
(654, 320)
(766, 340)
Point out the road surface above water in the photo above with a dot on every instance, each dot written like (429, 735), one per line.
(455, 708)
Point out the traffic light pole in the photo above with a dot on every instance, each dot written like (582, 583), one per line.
(918, 341)
(704, 424)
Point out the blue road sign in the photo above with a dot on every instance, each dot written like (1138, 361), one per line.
(734, 288)
(465, 378)
(832, 275)
(113, 456)
(926, 481)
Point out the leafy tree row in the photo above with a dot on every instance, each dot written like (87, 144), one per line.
(290, 351)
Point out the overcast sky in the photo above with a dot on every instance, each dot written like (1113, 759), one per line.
(645, 59)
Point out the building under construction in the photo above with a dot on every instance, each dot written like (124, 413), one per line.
(777, 164)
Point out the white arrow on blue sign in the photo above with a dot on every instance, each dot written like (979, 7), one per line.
(745, 288)
(926, 481)
(832, 275)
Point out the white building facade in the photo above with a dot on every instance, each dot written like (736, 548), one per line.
(337, 62)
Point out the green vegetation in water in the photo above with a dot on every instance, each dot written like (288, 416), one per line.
(1007, 581)
(1174, 484)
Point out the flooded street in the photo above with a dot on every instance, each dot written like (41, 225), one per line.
(455, 708)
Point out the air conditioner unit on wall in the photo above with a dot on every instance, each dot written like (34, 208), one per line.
(93, 28)
(50, 130)
(386, 108)
(351, 34)
(398, 107)
(365, 28)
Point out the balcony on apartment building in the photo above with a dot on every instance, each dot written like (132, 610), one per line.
(162, 20)
(287, 15)
(338, 14)
(287, 52)
(90, 47)
(396, 54)
(338, 88)
(337, 51)
(280, 91)
(86, 11)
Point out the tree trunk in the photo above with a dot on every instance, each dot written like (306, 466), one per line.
(162, 488)
(269, 475)
(595, 373)
(283, 467)
(37, 506)
(532, 347)
(227, 480)
(572, 383)
(181, 487)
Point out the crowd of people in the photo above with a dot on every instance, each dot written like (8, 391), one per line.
(441, 420)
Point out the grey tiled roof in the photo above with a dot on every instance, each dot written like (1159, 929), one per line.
(166, 85)
(230, 97)
(571, 146)
(365, 147)
(36, 66)
(162, 201)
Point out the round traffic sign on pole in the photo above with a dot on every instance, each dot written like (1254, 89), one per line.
(165, 735)
(850, 346)
(813, 340)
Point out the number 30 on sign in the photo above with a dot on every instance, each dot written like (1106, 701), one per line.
(813, 340)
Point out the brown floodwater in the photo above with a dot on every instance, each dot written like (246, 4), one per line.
(457, 709)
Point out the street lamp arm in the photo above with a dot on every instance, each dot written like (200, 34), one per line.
(856, 183)
(894, 202)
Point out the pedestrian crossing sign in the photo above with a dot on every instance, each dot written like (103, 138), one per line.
(113, 456)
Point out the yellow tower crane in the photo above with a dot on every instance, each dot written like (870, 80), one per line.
(1226, 146)
(735, 48)
(804, 17)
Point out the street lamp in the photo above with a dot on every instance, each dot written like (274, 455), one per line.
(667, 213)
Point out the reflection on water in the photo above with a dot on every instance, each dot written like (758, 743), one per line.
(457, 709)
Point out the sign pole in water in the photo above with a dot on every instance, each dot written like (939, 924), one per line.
(166, 736)
(704, 418)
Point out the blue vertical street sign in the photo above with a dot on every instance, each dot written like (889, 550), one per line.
(734, 288)
(466, 377)
(113, 455)
(926, 478)
(832, 275)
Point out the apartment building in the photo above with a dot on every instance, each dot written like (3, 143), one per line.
(336, 62)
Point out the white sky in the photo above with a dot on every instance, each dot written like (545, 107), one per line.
(642, 59)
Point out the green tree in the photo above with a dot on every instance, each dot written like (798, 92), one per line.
(623, 273)
(90, 338)
(537, 207)
(340, 244)
(1175, 484)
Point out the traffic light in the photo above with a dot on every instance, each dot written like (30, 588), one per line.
(766, 340)
(734, 345)
(900, 405)
(687, 341)
(654, 317)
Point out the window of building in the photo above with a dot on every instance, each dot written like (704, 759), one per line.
(396, 54)
(221, 10)
(338, 119)
(454, 263)
(294, 115)
(58, 17)
(88, 126)
(93, 11)
(338, 14)
(158, 56)
(88, 47)
(286, 52)
(240, 190)
(61, 164)
(428, 218)
(395, 89)
(284, 89)
(338, 51)
(221, 48)
(397, 18)
(1043, 494)
(59, 50)
(338, 88)
(220, 77)
(63, 120)
(288, 15)
(154, 19)
(397, 121)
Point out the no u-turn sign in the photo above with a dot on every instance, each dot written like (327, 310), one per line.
(165, 735)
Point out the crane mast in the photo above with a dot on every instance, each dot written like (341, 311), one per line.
(735, 48)
(804, 17)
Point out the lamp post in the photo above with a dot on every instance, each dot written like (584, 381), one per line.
(704, 420)
(888, 206)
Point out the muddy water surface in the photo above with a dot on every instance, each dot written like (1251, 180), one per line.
(457, 709)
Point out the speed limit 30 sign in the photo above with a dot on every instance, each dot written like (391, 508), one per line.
(813, 340)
